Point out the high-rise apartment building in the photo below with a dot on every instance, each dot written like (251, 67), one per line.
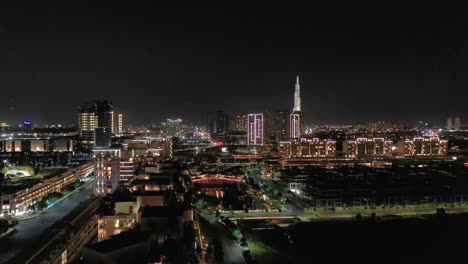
(217, 122)
(294, 125)
(282, 124)
(106, 170)
(239, 123)
(93, 115)
(117, 123)
(449, 123)
(173, 127)
(255, 129)
(454, 123)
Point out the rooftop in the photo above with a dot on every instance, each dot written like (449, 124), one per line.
(119, 241)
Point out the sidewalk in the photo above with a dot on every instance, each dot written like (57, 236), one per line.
(11, 229)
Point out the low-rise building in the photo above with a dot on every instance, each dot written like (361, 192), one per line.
(19, 202)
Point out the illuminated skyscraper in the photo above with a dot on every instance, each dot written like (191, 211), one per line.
(94, 115)
(297, 96)
(294, 125)
(117, 123)
(296, 122)
(255, 129)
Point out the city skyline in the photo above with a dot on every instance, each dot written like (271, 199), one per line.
(355, 66)
(238, 135)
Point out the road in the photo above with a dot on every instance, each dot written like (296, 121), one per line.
(258, 214)
(30, 231)
(214, 230)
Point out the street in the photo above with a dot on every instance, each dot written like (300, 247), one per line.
(214, 230)
(24, 242)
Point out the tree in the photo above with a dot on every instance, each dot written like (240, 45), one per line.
(3, 225)
(236, 233)
(41, 204)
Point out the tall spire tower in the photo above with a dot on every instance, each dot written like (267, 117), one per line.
(297, 96)
(296, 122)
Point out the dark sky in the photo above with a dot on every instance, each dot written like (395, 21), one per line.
(358, 64)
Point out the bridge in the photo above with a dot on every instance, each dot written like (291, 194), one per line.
(215, 179)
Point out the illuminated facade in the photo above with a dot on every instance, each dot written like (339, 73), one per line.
(117, 122)
(239, 123)
(94, 115)
(107, 170)
(294, 125)
(19, 202)
(126, 172)
(255, 130)
(368, 147)
(297, 96)
(120, 124)
(87, 122)
(296, 122)
(454, 123)
(301, 148)
(423, 146)
(36, 145)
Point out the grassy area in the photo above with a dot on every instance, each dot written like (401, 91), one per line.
(50, 173)
(263, 254)
(42, 174)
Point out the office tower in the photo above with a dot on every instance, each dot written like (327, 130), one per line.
(294, 125)
(456, 123)
(107, 170)
(255, 129)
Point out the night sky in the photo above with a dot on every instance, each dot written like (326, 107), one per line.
(359, 64)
